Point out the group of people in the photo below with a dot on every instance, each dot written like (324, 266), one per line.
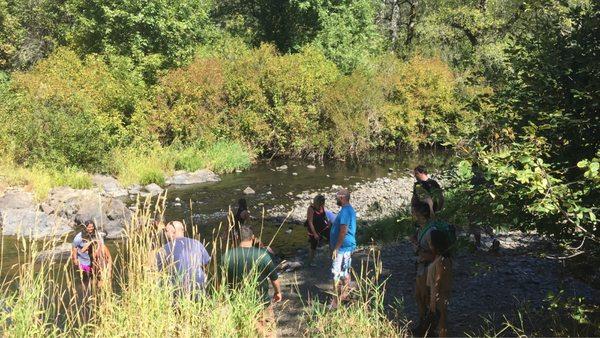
(185, 259)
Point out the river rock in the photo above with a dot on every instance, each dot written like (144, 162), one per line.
(135, 189)
(109, 185)
(32, 223)
(310, 166)
(59, 252)
(17, 199)
(282, 167)
(80, 205)
(182, 177)
(295, 174)
(152, 189)
(249, 191)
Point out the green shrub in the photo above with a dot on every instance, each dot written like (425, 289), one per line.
(152, 176)
(226, 157)
(141, 164)
(70, 112)
(190, 159)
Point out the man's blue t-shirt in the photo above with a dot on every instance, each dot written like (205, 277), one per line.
(184, 258)
(346, 216)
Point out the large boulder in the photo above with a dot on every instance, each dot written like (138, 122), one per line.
(17, 199)
(59, 252)
(110, 214)
(32, 223)
(109, 185)
(152, 189)
(182, 177)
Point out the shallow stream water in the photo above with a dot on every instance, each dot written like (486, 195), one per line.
(204, 207)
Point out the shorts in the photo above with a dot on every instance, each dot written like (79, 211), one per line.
(340, 267)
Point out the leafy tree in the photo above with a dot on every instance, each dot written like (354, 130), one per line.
(348, 33)
(542, 173)
(155, 31)
(30, 30)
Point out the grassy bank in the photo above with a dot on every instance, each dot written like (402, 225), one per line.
(130, 166)
(43, 299)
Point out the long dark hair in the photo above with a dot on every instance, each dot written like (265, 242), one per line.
(242, 204)
(85, 234)
(440, 243)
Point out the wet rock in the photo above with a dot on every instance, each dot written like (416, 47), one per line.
(153, 189)
(81, 205)
(109, 185)
(283, 167)
(182, 177)
(310, 166)
(135, 189)
(59, 252)
(17, 199)
(249, 191)
(295, 174)
(33, 224)
(238, 171)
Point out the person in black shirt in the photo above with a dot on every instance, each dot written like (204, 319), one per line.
(427, 190)
(317, 225)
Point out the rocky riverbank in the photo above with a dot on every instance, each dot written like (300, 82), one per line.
(66, 208)
(488, 289)
(372, 200)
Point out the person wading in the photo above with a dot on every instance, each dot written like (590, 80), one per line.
(241, 216)
(317, 225)
(184, 259)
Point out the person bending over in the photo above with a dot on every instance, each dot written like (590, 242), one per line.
(317, 225)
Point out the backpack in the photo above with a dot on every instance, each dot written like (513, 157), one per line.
(445, 227)
(429, 188)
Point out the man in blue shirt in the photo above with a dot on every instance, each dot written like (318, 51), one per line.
(184, 259)
(342, 242)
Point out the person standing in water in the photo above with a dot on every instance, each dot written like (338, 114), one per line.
(242, 215)
(317, 225)
(80, 252)
(343, 243)
(184, 259)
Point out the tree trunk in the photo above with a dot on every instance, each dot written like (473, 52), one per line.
(412, 20)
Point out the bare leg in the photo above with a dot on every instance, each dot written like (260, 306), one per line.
(442, 308)
(422, 296)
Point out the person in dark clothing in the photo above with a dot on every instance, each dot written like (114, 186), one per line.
(317, 225)
(427, 190)
(241, 216)
(248, 261)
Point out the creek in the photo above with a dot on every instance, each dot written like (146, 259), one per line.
(204, 207)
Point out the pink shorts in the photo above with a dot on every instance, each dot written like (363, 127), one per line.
(85, 268)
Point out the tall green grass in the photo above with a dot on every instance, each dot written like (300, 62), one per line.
(42, 299)
(145, 166)
(364, 316)
(41, 180)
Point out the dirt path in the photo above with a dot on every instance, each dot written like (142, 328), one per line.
(487, 288)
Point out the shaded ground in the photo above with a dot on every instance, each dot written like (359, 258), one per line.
(488, 289)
